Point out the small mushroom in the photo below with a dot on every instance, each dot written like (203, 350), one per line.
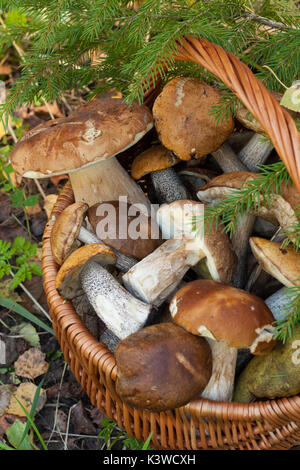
(83, 273)
(68, 229)
(272, 376)
(182, 121)
(84, 145)
(157, 275)
(161, 367)
(281, 263)
(158, 161)
(230, 319)
(125, 228)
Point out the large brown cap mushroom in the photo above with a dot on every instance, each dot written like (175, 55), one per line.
(86, 141)
(153, 159)
(281, 263)
(182, 120)
(66, 229)
(68, 277)
(162, 367)
(222, 312)
(124, 227)
(230, 319)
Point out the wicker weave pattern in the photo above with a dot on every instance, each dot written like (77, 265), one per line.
(202, 424)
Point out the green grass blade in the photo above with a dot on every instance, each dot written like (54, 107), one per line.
(10, 304)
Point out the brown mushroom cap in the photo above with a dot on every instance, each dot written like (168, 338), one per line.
(119, 237)
(182, 120)
(66, 229)
(153, 159)
(281, 263)
(68, 277)
(162, 367)
(223, 313)
(96, 131)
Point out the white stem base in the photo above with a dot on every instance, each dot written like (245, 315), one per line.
(106, 181)
(220, 385)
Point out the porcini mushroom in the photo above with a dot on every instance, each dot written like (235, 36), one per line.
(182, 121)
(161, 367)
(229, 319)
(125, 228)
(83, 273)
(84, 145)
(157, 275)
(158, 161)
(281, 263)
(68, 229)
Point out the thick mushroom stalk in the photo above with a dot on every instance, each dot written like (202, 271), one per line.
(167, 186)
(122, 313)
(255, 152)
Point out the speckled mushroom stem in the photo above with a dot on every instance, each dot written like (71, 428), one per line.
(220, 385)
(157, 275)
(122, 313)
(279, 303)
(106, 181)
(168, 186)
(124, 263)
(255, 152)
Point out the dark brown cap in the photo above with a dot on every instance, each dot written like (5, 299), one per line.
(182, 120)
(120, 237)
(223, 313)
(96, 131)
(162, 367)
(66, 229)
(153, 159)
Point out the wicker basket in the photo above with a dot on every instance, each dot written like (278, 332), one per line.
(201, 424)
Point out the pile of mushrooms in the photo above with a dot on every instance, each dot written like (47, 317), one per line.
(171, 301)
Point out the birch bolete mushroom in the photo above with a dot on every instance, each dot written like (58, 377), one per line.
(161, 367)
(68, 230)
(83, 272)
(281, 263)
(158, 161)
(229, 319)
(125, 228)
(182, 121)
(157, 275)
(84, 145)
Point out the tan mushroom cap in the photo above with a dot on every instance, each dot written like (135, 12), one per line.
(66, 229)
(221, 260)
(68, 277)
(246, 118)
(281, 263)
(281, 209)
(119, 236)
(223, 313)
(96, 131)
(162, 367)
(153, 159)
(182, 120)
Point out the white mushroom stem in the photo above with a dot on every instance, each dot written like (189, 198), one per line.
(279, 303)
(158, 274)
(240, 242)
(106, 181)
(227, 159)
(124, 263)
(122, 313)
(220, 385)
(167, 186)
(255, 152)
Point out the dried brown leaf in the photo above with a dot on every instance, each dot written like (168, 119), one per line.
(31, 364)
(25, 395)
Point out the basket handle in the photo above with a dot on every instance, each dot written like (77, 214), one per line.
(274, 119)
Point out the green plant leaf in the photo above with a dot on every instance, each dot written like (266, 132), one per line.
(9, 304)
(15, 433)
